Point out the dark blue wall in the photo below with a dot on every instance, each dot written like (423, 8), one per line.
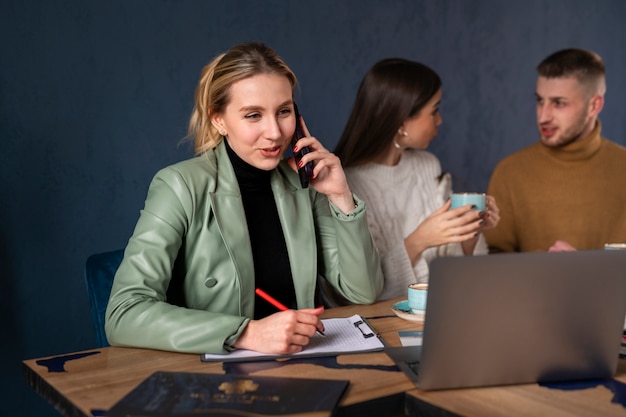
(95, 97)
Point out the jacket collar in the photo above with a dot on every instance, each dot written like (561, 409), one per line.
(283, 179)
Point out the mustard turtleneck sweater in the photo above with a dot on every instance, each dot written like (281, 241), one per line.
(575, 193)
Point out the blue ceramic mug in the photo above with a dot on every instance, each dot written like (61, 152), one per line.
(417, 294)
(462, 199)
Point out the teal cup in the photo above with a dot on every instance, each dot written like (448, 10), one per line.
(417, 294)
(462, 199)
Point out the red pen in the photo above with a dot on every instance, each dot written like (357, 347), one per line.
(270, 299)
(275, 302)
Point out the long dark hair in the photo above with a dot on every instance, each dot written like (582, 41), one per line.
(392, 91)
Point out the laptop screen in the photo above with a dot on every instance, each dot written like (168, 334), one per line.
(523, 317)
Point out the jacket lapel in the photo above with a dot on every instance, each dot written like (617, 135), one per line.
(231, 220)
(294, 209)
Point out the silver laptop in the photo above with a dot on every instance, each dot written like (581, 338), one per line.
(519, 318)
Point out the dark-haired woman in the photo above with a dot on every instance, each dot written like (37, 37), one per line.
(394, 118)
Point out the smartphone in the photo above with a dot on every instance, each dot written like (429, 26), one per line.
(306, 172)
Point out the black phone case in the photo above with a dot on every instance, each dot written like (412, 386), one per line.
(306, 172)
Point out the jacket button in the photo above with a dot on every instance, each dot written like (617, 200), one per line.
(210, 282)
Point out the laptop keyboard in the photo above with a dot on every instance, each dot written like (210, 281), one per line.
(414, 367)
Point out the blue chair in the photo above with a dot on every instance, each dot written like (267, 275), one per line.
(100, 270)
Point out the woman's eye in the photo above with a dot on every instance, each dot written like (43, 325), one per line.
(284, 112)
(252, 116)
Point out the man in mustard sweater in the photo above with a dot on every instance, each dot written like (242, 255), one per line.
(567, 191)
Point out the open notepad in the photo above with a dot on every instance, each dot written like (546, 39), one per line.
(341, 336)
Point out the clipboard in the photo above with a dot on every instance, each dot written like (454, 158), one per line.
(342, 336)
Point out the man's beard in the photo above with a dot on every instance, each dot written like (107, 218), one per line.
(570, 135)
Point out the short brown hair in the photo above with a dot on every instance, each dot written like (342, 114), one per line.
(586, 66)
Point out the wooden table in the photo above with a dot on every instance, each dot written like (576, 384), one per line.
(594, 398)
(87, 383)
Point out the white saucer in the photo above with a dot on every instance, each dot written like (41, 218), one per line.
(402, 310)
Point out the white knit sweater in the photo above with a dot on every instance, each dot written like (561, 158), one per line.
(398, 198)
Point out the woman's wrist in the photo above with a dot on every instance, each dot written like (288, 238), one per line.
(243, 342)
(344, 202)
(469, 245)
(414, 246)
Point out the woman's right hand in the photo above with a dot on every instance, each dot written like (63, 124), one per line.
(443, 226)
(281, 333)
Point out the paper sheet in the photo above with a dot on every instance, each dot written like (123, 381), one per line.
(341, 335)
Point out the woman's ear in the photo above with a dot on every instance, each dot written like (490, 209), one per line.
(218, 123)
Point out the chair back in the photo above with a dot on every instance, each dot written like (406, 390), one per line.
(100, 270)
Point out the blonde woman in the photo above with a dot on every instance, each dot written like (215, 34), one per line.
(235, 218)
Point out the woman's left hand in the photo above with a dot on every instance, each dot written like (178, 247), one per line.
(490, 219)
(328, 175)
(492, 214)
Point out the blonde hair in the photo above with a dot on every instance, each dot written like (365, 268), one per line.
(212, 93)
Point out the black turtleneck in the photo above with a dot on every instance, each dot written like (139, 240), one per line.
(269, 251)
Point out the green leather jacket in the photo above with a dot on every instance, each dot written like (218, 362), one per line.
(186, 282)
